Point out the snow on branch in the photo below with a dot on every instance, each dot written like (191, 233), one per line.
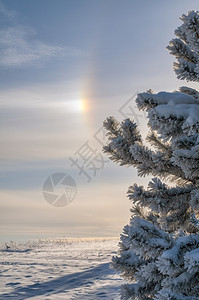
(186, 47)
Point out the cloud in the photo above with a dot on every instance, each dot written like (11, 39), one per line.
(7, 14)
(19, 45)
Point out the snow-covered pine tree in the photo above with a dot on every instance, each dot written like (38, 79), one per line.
(159, 249)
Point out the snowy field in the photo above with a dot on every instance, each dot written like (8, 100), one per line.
(59, 269)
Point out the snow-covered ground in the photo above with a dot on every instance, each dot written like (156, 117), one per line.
(59, 269)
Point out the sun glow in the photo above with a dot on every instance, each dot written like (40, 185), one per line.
(83, 105)
(79, 105)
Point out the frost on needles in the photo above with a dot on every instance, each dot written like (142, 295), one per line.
(159, 249)
(186, 47)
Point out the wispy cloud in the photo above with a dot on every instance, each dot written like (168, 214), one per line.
(19, 45)
(9, 15)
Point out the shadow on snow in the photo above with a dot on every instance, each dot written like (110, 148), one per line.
(61, 284)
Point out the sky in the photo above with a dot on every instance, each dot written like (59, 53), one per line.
(65, 66)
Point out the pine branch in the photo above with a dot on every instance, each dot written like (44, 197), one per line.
(126, 148)
(189, 91)
(155, 141)
(186, 47)
(178, 48)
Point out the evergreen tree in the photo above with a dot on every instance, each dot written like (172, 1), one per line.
(159, 249)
